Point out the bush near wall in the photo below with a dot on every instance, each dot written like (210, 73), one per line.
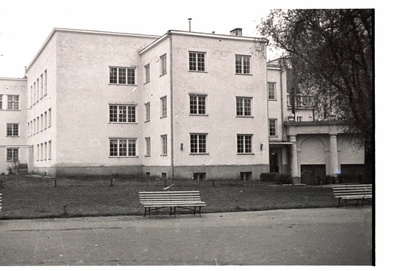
(276, 178)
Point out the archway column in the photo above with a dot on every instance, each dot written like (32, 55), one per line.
(333, 157)
(293, 163)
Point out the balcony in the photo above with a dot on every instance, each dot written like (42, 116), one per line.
(302, 101)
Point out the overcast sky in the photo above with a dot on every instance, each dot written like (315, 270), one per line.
(25, 25)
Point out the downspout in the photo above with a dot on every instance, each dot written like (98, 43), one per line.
(171, 105)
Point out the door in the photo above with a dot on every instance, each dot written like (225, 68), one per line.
(273, 162)
(352, 173)
(312, 174)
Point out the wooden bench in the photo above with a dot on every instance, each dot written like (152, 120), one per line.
(172, 200)
(352, 192)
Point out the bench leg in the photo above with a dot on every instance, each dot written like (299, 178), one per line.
(170, 211)
(174, 211)
(194, 210)
(145, 209)
(199, 210)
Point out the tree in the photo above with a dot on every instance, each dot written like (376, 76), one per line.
(331, 53)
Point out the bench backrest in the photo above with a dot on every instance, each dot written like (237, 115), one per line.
(169, 196)
(352, 189)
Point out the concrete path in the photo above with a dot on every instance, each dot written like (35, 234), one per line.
(279, 237)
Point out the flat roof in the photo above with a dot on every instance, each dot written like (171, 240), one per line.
(82, 31)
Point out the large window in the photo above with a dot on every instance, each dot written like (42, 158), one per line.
(147, 73)
(123, 76)
(164, 145)
(13, 102)
(123, 113)
(197, 61)
(122, 147)
(12, 154)
(148, 146)
(272, 127)
(12, 129)
(163, 106)
(243, 106)
(163, 65)
(197, 104)
(271, 91)
(147, 112)
(244, 144)
(242, 64)
(198, 143)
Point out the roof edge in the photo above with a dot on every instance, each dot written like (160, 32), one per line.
(82, 31)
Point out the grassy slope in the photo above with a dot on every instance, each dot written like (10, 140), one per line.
(25, 197)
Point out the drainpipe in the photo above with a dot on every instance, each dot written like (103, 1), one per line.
(171, 106)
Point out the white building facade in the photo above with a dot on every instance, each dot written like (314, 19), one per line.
(183, 105)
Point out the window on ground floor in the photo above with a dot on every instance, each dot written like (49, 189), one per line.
(122, 147)
(199, 176)
(12, 154)
(246, 175)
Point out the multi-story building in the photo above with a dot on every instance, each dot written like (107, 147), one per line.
(181, 105)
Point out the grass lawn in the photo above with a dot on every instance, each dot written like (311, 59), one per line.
(37, 197)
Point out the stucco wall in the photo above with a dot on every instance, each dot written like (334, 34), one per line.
(221, 85)
(13, 86)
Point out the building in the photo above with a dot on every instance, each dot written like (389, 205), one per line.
(181, 105)
(306, 141)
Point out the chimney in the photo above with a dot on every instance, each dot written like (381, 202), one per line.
(236, 32)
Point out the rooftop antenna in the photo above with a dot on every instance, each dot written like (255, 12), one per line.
(190, 24)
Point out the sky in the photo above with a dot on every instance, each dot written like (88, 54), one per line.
(25, 25)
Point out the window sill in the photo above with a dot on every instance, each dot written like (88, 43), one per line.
(197, 71)
(163, 117)
(116, 84)
(12, 136)
(246, 74)
(193, 153)
(123, 156)
(244, 117)
(161, 75)
(198, 115)
(146, 121)
(123, 123)
(272, 100)
(250, 153)
(164, 155)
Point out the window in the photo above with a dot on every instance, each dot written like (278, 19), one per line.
(199, 176)
(45, 151)
(163, 106)
(12, 154)
(37, 153)
(123, 113)
(122, 76)
(299, 118)
(13, 102)
(242, 64)
(122, 147)
(148, 146)
(147, 73)
(243, 106)
(245, 176)
(12, 129)
(272, 127)
(164, 145)
(198, 143)
(271, 91)
(49, 117)
(37, 125)
(1, 101)
(196, 61)
(147, 113)
(41, 86)
(45, 83)
(197, 104)
(163, 65)
(49, 155)
(45, 120)
(41, 151)
(41, 122)
(244, 144)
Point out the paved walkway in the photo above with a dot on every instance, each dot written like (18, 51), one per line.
(278, 237)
